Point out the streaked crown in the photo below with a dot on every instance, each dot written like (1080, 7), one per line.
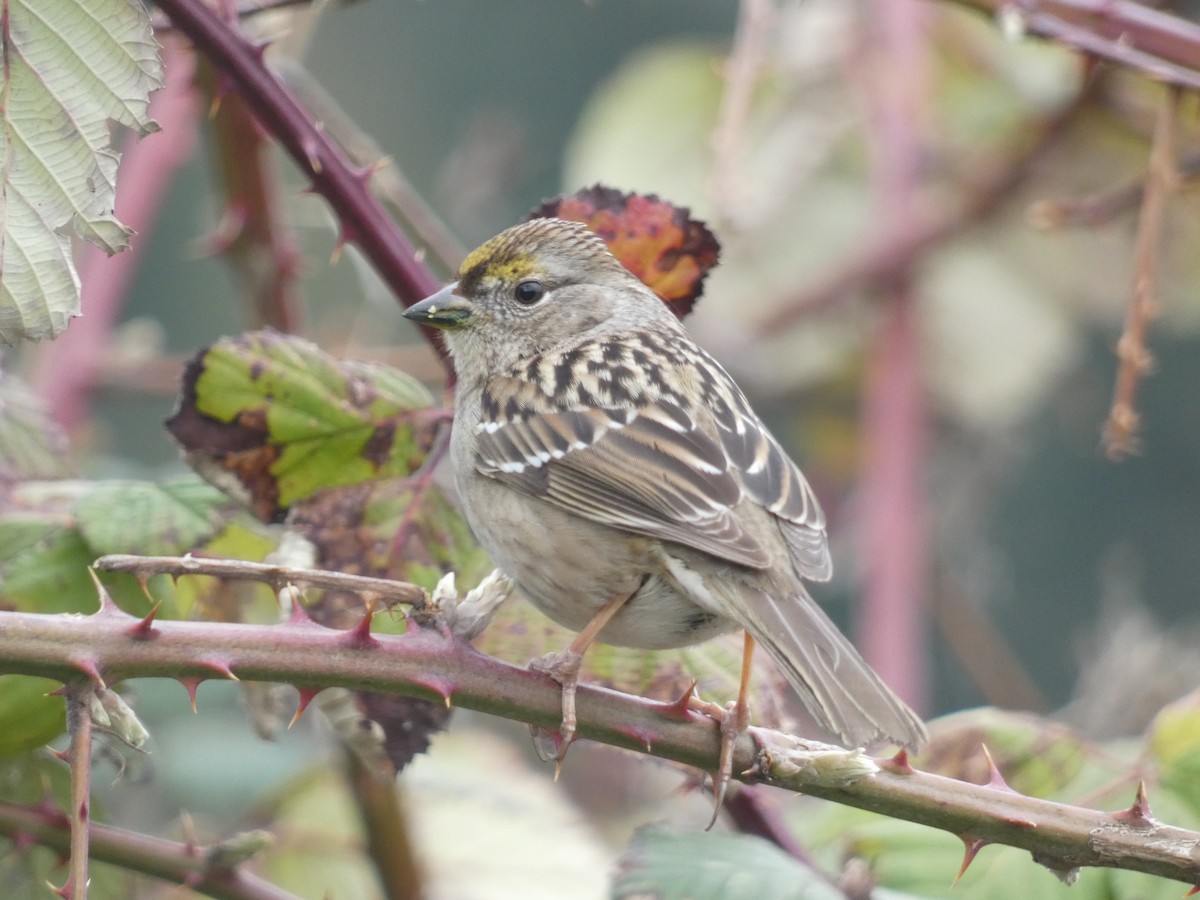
(534, 249)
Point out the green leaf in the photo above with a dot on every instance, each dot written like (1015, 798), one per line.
(51, 531)
(29, 716)
(150, 519)
(68, 70)
(1174, 744)
(45, 569)
(659, 865)
(32, 445)
(274, 419)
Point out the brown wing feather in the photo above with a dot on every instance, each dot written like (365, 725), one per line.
(617, 446)
(770, 478)
(647, 470)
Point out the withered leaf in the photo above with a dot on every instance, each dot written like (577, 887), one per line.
(657, 241)
(271, 419)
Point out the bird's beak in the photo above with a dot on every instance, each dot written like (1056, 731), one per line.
(445, 309)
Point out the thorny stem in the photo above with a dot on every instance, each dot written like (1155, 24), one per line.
(254, 233)
(363, 218)
(1120, 432)
(386, 591)
(1163, 45)
(892, 617)
(79, 756)
(388, 180)
(197, 867)
(430, 664)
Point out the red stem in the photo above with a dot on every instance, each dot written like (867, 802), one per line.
(891, 617)
(362, 216)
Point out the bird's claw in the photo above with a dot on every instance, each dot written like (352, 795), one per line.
(733, 720)
(564, 668)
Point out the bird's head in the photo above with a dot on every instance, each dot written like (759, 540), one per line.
(531, 288)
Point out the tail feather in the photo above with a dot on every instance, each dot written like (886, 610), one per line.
(835, 683)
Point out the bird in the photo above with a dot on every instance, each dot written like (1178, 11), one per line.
(618, 475)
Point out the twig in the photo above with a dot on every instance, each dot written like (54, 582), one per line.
(1103, 206)
(79, 757)
(389, 843)
(1163, 45)
(1120, 432)
(899, 250)
(389, 182)
(253, 233)
(891, 619)
(741, 74)
(363, 218)
(204, 869)
(245, 10)
(425, 662)
(145, 567)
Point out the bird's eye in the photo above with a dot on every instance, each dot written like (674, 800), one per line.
(529, 292)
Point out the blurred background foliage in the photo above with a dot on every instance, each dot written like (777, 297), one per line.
(1057, 580)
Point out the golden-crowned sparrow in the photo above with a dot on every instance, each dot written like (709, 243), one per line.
(615, 471)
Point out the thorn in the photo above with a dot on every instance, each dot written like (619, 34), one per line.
(144, 628)
(444, 688)
(680, 708)
(363, 174)
(259, 47)
(299, 615)
(89, 667)
(643, 736)
(972, 846)
(306, 697)
(1195, 890)
(312, 153)
(64, 891)
(995, 779)
(190, 685)
(60, 755)
(360, 635)
(108, 606)
(218, 664)
(58, 692)
(188, 828)
(347, 235)
(898, 764)
(1138, 814)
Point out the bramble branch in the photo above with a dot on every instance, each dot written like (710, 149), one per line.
(430, 662)
(363, 218)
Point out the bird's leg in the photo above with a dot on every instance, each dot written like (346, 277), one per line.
(734, 720)
(564, 667)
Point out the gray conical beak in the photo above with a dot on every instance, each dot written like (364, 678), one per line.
(445, 309)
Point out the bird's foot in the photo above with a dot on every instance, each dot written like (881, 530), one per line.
(563, 667)
(733, 719)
